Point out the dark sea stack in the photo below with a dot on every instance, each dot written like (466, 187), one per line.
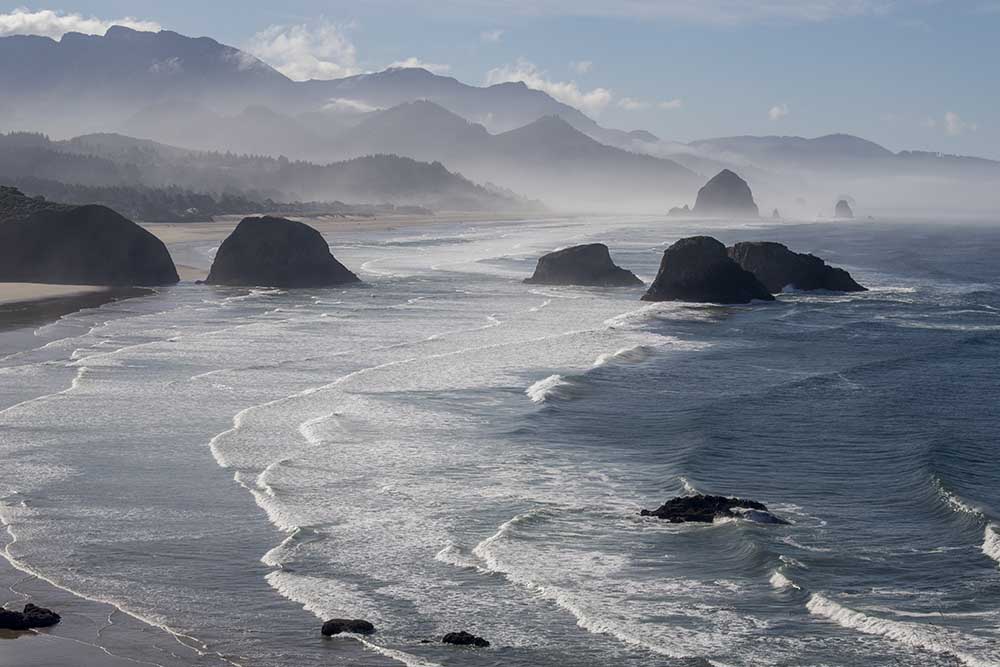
(588, 265)
(726, 195)
(705, 509)
(697, 269)
(843, 210)
(776, 215)
(338, 626)
(278, 253)
(465, 639)
(41, 242)
(778, 267)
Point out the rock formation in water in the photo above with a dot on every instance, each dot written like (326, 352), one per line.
(336, 626)
(726, 195)
(679, 211)
(31, 617)
(776, 215)
(778, 267)
(277, 253)
(465, 639)
(698, 269)
(42, 242)
(843, 210)
(582, 265)
(705, 509)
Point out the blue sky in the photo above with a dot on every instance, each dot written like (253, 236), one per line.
(910, 74)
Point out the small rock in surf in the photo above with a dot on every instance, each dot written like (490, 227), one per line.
(705, 509)
(32, 617)
(336, 626)
(465, 639)
(588, 265)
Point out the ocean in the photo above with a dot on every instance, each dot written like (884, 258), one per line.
(445, 448)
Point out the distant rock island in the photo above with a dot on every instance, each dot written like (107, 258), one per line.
(778, 267)
(44, 242)
(843, 210)
(706, 509)
(278, 253)
(726, 195)
(588, 265)
(698, 269)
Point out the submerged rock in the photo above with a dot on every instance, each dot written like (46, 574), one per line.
(843, 210)
(336, 626)
(698, 269)
(465, 639)
(582, 265)
(726, 195)
(278, 253)
(705, 509)
(41, 242)
(32, 617)
(778, 267)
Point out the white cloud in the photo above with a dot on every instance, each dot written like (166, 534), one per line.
(568, 92)
(167, 66)
(632, 104)
(301, 52)
(48, 23)
(954, 125)
(412, 62)
(778, 112)
(491, 35)
(581, 66)
(670, 105)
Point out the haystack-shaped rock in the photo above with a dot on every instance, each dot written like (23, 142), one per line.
(589, 265)
(843, 210)
(278, 253)
(778, 267)
(698, 269)
(42, 242)
(726, 195)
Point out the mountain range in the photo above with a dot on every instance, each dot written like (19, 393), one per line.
(198, 94)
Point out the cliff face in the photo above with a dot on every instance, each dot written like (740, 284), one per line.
(278, 253)
(726, 195)
(88, 245)
(698, 269)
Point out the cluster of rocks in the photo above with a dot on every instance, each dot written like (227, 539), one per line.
(337, 626)
(32, 617)
(701, 269)
(706, 509)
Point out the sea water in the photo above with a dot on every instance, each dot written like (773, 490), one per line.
(445, 448)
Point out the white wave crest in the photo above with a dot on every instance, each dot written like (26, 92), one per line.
(924, 636)
(629, 355)
(554, 386)
(781, 582)
(991, 542)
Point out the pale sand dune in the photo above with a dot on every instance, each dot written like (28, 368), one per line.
(25, 292)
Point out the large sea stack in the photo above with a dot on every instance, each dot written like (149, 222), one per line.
(778, 267)
(698, 269)
(843, 210)
(726, 195)
(589, 265)
(42, 242)
(277, 253)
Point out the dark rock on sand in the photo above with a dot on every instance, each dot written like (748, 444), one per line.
(43, 242)
(778, 267)
(698, 269)
(465, 639)
(32, 617)
(843, 210)
(705, 509)
(278, 253)
(726, 195)
(337, 626)
(582, 265)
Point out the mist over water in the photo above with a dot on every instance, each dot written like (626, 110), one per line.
(446, 448)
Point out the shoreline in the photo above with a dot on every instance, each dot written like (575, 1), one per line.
(28, 310)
